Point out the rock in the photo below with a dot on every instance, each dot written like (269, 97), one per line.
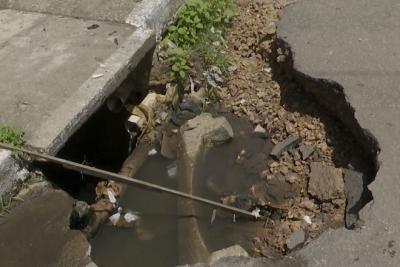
(233, 251)
(218, 136)
(204, 130)
(292, 178)
(245, 202)
(286, 144)
(306, 151)
(278, 191)
(259, 129)
(308, 205)
(326, 182)
(354, 189)
(189, 105)
(296, 239)
(81, 215)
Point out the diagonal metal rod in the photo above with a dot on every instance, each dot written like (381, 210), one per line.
(125, 179)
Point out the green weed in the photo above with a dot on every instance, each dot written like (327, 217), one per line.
(11, 136)
(194, 28)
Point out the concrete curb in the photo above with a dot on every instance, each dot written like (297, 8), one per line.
(11, 171)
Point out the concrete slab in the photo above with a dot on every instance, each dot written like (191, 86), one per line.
(107, 10)
(51, 61)
(36, 233)
(351, 46)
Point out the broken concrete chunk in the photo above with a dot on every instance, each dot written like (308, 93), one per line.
(296, 239)
(233, 251)
(285, 145)
(306, 151)
(354, 189)
(221, 134)
(326, 182)
(204, 130)
(259, 129)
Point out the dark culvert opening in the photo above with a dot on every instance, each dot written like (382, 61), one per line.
(354, 148)
(102, 142)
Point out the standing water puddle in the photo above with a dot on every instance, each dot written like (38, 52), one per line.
(156, 242)
(157, 246)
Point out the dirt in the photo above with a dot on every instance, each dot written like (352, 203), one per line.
(254, 90)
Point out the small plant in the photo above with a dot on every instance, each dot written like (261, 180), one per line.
(194, 28)
(11, 136)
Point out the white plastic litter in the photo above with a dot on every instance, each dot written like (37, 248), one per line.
(256, 213)
(214, 213)
(172, 170)
(111, 196)
(307, 219)
(130, 217)
(115, 218)
(152, 152)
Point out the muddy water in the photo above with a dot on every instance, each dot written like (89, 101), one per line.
(221, 173)
(156, 244)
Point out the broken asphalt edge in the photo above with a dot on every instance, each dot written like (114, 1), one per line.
(332, 96)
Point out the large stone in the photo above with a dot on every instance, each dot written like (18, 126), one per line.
(205, 130)
(37, 233)
(326, 182)
(286, 144)
(354, 189)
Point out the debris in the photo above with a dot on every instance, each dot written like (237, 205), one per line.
(259, 129)
(214, 213)
(189, 105)
(245, 202)
(131, 217)
(123, 219)
(354, 189)
(96, 76)
(93, 26)
(172, 170)
(296, 239)
(306, 151)
(285, 145)
(152, 152)
(232, 69)
(278, 191)
(80, 215)
(111, 196)
(326, 182)
(115, 217)
(307, 219)
(214, 76)
(308, 205)
(292, 178)
(256, 213)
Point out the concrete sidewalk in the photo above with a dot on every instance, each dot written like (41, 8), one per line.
(61, 60)
(351, 47)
